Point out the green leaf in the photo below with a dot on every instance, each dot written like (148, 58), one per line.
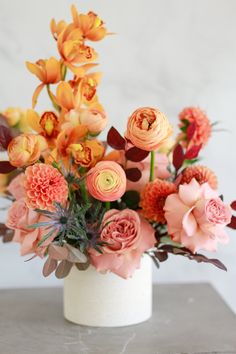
(39, 224)
(166, 240)
(45, 238)
(131, 199)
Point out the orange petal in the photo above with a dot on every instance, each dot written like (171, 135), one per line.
(34, 69)
(97, 34)
(53, 70)
(75, 15)
(32, 119)
(65, 96)
(36, 94)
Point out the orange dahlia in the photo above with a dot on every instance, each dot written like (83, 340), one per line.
(44, 185)
(153, 199)
(202, 125)
(202, 175)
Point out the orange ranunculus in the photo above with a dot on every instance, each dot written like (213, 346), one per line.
(47, 124)
(70, 43)
(148, 128)
(91, 26)
(71, 135)
(48, 71)
(26, 149)
(87, 153)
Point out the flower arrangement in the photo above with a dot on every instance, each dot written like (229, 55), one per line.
(77, 200)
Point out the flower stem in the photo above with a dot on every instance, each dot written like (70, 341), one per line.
(108, 205)
(152, 166)
(84, 192)
(55, 105)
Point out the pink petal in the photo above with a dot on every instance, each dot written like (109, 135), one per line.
(189, 193)
(189, 223)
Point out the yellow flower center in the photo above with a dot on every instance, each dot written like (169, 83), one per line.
(107, 180)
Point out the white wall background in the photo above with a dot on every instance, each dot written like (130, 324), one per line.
(166, 53)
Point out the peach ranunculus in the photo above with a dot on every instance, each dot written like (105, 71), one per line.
(44, 185)
(25, 149)
(148, 128)
(19, 218)
(95, 119)
(126, 236)
(16, 187)
(106, 181)
(48, 71)
(196, 217)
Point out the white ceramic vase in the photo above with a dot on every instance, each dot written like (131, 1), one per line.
(107, 300)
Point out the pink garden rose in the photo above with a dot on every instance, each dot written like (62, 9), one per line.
(16, 187)
(19, 218)
(127, 237)
(196, 217)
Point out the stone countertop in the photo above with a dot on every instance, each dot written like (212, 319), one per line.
(187, 319)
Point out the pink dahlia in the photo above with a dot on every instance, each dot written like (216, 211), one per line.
(44, 185)
(203, 126)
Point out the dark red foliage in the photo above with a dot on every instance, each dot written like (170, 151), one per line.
(135, 154)
(193, 152)
(133, 174)
(5, 137)
(232, 223)
(178, 157)
(115, 140)
(190, 131)
(6, 167)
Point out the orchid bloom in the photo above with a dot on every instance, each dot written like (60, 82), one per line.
(48, 71)
(47, 124)
(87, 153)
(69, 136)
(91, 26)
(67, 97)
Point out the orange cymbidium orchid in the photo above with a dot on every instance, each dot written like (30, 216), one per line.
(47, 124)
(69, 136)
(87, 87)
(88, 153)
(57, 28)
(71, 46)
(48, 71)
(67, 97)
(91, 26)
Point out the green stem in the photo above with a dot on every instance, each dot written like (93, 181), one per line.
(84, 192)
(107, 205)
(55, 105)
(152, 166)
(63, 71)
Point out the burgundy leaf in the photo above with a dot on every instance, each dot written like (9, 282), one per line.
(135, 154)
(161, 256)
(63, 269)
(232, 223)
(49, 266)
(191, 130)
(178, 156)
(6, 167)
(133, 174)
(57, 252)
(115, 140)
(193, 152)
(5, 137)
(233, 205)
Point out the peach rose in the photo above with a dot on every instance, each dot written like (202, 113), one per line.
(196, 217)
(19, 218)
(95, 120)
(148, 128)
(127, 237)
(106, 181)
(16, 187)
(25, 149)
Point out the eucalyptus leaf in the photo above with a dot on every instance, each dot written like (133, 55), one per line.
(63, 269)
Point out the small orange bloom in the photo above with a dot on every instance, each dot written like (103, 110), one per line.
(47, 124)
(26, 149)
(153, 199)
(67, 97)
(91, 26)
(69, 136)
(47, 71)
(71, 46)
(87, 153)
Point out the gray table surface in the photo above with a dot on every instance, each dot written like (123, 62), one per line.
(186, 319)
